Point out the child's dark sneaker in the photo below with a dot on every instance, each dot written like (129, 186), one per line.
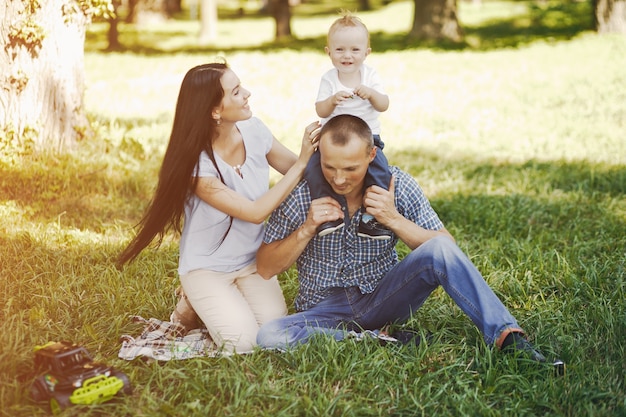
(374, 230)
(329, 227)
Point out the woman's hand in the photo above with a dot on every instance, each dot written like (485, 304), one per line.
(310, 140)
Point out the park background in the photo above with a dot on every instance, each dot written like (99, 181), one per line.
(517, 137)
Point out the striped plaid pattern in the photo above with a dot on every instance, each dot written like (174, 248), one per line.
(342, 258)
(164, 341)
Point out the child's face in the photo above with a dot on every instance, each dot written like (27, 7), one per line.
(347, 48)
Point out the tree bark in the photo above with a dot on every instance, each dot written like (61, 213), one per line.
(147, 11)
(42, 72)
(610, 16)
(113, 34)
(436, 20)
(364, 5)
(173, 6)
(208, 22)
(281, 12)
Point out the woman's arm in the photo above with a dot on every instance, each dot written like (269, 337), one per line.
(280, 157)
(214, 192)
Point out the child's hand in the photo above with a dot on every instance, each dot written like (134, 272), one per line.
(341, 96)
(364, 92)
(379, 101)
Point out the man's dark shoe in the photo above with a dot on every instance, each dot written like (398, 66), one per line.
(409, 336)
(374, 230)
(404, 336)
(516, 343)
(329, 227)
(559, 367)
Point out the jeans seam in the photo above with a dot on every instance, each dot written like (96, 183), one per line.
(474, 309)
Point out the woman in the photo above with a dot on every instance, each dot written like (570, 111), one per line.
(215, 177)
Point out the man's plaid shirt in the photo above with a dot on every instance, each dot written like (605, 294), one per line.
(343, 259)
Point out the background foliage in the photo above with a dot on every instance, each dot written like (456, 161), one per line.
(517, 138)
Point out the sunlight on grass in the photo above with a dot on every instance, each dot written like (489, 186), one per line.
(517, 139)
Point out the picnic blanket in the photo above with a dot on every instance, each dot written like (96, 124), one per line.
(164, 341)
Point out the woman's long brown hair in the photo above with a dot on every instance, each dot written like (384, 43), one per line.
(193, 131)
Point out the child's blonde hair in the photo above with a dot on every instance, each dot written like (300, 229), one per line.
(347, 20)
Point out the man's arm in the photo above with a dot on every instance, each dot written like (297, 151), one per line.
(380, 204)
(276, 257)
(412, 234)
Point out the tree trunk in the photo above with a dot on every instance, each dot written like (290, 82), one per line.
(208, 22)
(147, 11)
(281, 12)
(113, 34)
(610, 16)
(173, 6)
(436, 20)
(42, 72)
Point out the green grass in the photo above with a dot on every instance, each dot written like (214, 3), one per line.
(517, 137)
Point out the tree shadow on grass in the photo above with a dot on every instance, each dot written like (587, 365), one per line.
(583, 176)
(571, 200)
(547, 21)
(87, 195)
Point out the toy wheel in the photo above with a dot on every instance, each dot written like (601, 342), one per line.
(127, 390)
(39, 390)
(58, 404)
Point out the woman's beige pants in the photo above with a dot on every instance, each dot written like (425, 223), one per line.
(234, 305)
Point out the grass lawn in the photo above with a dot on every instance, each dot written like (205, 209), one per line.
(518, 138)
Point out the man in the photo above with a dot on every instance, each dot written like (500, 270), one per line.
(348, 282)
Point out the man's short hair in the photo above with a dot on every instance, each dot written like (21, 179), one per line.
(343, 127)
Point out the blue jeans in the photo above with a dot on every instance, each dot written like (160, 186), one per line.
(403, 290)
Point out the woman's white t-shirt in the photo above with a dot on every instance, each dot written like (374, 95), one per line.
(202, 244)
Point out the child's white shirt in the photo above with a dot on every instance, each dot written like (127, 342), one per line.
(356, 106)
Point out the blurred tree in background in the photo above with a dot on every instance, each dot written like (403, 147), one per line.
(436, 20)
(42, 70)
(41, 59)
(610, 16)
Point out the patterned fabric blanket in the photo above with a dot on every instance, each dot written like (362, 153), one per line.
(164, 341)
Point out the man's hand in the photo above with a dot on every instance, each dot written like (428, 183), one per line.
(380, 203)
(276, 257)
(322, 210)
